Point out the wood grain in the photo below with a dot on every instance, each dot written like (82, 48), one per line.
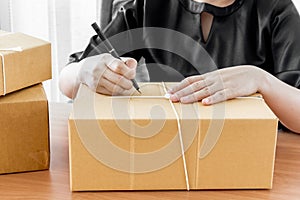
(54, 183)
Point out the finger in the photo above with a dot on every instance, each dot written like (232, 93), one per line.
(102, 90)
(196, 96)
(217, 97)
(206, 91)
(121, 68)
(111, 87)
(185, 83)
(117, 79)
(130, 92)
(190, 89)
(130, 62)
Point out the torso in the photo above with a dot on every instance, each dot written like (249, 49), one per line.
(207, 18)
(227, 38)
(240, 32)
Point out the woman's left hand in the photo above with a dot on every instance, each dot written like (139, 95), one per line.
(220, 85)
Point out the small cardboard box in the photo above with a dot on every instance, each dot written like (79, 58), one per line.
(24, 132)
(24, 61)
(150, 143)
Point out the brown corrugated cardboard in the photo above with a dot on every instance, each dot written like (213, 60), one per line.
(122, 143)
(29, 66)
(24, 131)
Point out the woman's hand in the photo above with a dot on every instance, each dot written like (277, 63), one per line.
(108, 75)
(220, 85)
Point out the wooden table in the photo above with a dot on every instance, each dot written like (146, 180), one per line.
(54, 183)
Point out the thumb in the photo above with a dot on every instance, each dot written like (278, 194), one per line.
(130, 62)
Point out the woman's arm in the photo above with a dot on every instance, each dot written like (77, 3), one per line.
(68, 80)
(238, 81)
(98, 70)
(102, 73)
(284, 100)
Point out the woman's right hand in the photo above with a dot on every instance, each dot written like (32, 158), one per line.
(108, 75)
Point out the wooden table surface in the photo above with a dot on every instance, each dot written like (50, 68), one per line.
(54, 183)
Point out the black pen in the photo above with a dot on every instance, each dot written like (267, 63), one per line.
(111, 50)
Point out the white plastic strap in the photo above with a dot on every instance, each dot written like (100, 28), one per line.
(180, 137)
(3, 73)
(16, 49)
(250, 97)
(167, 97)
(139, 97)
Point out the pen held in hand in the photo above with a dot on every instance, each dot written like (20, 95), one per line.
(111, 50)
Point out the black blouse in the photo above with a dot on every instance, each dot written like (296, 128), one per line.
(167, 33)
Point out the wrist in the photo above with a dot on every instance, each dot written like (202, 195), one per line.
(265, 82)
(85, 68)
(78, 77)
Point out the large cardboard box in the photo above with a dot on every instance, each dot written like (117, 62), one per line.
(24, 131)
(138, 143)
(24, 61)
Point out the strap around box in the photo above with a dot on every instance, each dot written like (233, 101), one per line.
(14, 49)
(167, 97)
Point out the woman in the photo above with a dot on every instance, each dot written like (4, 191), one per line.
(254, 46)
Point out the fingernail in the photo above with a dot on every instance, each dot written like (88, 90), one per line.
(205, 101)
(184, 99)
(173, 97)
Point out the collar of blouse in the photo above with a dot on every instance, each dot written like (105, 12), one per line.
(199, 7)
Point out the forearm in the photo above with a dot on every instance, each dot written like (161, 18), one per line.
(69, 81)
(102, 73)
(284, 101)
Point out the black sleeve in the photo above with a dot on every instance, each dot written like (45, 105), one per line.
(126, 18)
(286, 42)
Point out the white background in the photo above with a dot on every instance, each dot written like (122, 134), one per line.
(66, 23)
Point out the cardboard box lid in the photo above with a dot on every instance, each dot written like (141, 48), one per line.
(28, 66)
(107, 107)
(25, 95)
(9, 40)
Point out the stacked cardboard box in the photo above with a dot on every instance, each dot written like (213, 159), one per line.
(25, 62)
(150, 143)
